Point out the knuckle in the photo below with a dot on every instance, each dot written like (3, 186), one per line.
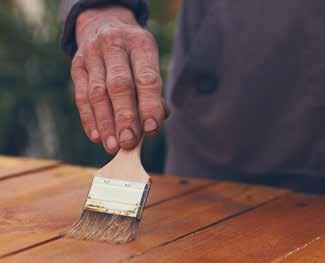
(97, 93)
(147, 76)
(86, 118)
(119, 85)
(139, 37)
(112, 37)
(118, 73)
(105, 126)
(125, 117)
(84, 109)
(152, 109)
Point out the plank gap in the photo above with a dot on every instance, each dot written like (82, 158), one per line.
(58, 237)
(198, 230)
(182, 210)
(29, 247)
(266, 234)
(182, 194)
(36, 170)
(59, 183)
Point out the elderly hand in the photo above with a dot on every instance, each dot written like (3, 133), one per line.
(117, 81)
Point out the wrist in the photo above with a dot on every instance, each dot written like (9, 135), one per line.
(89, 21)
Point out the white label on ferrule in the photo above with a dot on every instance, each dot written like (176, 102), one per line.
(115, 196)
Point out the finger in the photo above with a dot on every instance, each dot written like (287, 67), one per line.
(122, 95)
(146, 72)
(99, 100)
(79, 76)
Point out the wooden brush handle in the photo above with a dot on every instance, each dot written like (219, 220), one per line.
(126, 165)
(134, 153)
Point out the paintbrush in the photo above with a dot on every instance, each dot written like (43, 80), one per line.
(115, 201)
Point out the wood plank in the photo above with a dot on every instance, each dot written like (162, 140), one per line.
(261, 235)
(161, 224)
(13, 166)
(36, 207)
(311, 252)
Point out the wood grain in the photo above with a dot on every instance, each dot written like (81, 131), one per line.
(13, 166)
(36, 207)
(261, 235)
(162, 223)
(311, 252)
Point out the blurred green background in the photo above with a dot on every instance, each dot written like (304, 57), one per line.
(38, 117)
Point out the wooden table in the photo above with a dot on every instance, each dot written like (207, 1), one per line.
(186, 220)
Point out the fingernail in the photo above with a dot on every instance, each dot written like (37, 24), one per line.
(150, 125)
(126, 135)
(94, 134)
(111, 143)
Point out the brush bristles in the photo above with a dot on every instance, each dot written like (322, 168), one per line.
(104, 227)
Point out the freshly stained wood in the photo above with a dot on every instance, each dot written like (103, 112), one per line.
(162, 223)
(12, 166)
(36, 207)
(24, 221)
(261, 235)
(186, 220)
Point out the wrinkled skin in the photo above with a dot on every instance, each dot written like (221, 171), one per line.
(116, 75)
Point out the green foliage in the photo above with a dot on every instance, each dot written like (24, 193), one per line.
(37, 112)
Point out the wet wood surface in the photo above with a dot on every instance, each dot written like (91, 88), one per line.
(185, 220)
(11, 166)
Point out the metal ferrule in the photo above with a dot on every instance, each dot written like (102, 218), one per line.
(117, 197)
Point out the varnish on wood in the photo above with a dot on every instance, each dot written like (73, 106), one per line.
(11, 166)
(185, 220)
(115, 201)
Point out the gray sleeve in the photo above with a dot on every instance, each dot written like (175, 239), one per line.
(65, 7)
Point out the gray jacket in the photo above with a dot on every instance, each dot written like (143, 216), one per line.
(247, 88)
